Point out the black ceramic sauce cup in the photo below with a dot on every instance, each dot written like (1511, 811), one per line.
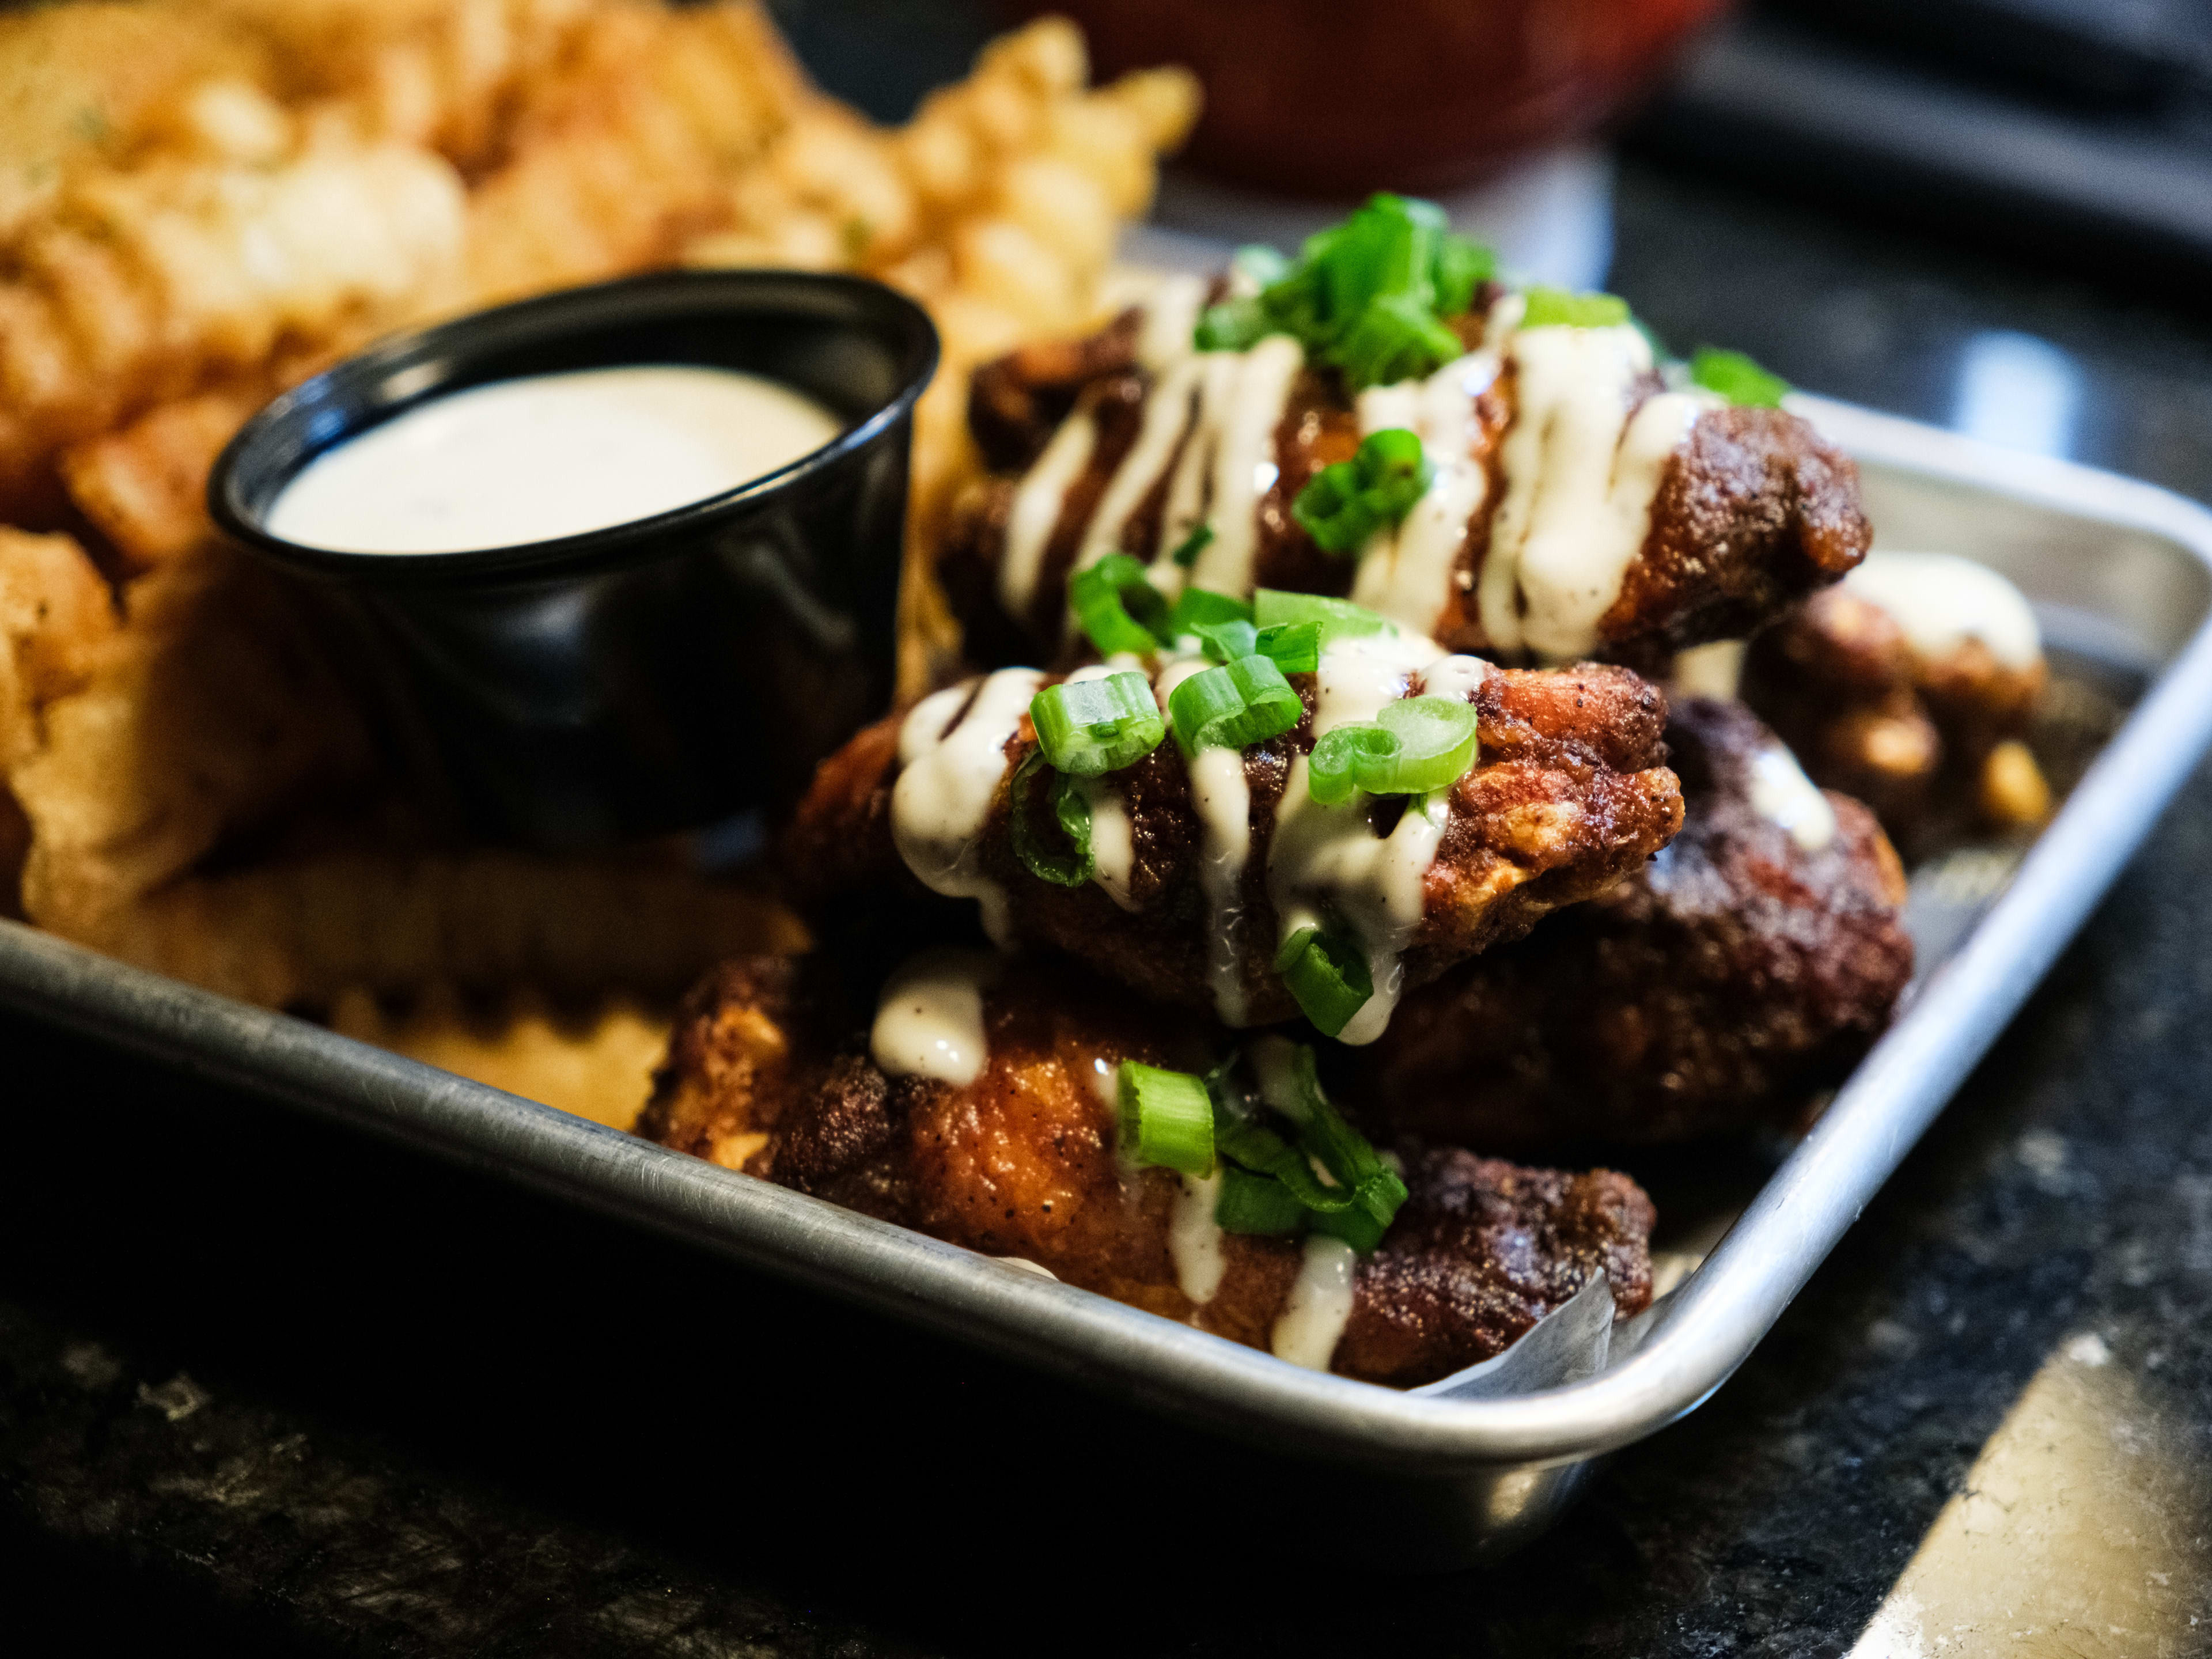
(652, 675)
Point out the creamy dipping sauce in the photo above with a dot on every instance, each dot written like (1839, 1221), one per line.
(546, 456)
(1941, 600)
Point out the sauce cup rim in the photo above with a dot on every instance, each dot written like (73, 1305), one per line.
(447, 347)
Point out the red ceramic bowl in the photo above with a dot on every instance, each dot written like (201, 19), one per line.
(1336, 97)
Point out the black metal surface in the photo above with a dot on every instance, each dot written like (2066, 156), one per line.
(649, 675)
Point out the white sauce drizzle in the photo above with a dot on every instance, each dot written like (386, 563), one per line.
(948, 780)
(1405, 572)
(1941, 600)
(1167, 414)
(1036, 506)
(1170, 319)
(929, 1021)
(1223, 798)
(1327, 867)
(1194, 1239)
(1782, 794)
(1312, 1320)
(1113, 846)
(1581, 473)
(1241, 427)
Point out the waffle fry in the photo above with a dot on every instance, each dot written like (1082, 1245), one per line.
(600, 1069)
(222, 197)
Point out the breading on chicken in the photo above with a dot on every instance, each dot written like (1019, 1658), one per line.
(769, 1074)
(1753, 963)
(1211, 858)
(1702, 521)
(1911, 686)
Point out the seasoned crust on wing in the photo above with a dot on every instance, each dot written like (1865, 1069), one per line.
(1021, 1162)
(1716, 990)
(1568, 797)
(1754, 511)
(1908, 734)
(1482, 1245)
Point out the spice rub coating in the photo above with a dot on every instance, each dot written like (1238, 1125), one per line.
(768, 1073)
(1931, 742)
(1712, 991)
(1753, 509)
(1568, 796)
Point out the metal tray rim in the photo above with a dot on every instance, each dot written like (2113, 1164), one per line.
(1717, 1319)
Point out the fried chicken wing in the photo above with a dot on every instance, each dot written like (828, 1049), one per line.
(1910, 686)
(1578, 507)
(1756, 959)
(767, 1072)
(1204, 868)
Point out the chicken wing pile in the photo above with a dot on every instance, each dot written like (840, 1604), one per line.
(1216, 953)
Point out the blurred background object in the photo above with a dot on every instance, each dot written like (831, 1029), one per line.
(2078, 132)
(1319, 98)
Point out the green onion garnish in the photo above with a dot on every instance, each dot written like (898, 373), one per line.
(1225, 641)
(1064, 867)
(1347, 502)
(1270, 1185)
(1118, 607)
(1412, 746)
(1328, 976)
(1167, 1118)
(1339, 619)
(1085, 727)
(1737, 378)
(1186, 551)
(1367, 295)
(1234, 705)
(1294, 647)
(1252, 1203)
(1548, 307)
(1232, 326)
(1196, 607)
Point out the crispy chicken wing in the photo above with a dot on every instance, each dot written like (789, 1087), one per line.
(1579, 508)
(1203, 866)
(767, 1072)
(1910, 686)
(1757, 958)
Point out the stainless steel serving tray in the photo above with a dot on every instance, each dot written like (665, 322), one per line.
(2121, 574)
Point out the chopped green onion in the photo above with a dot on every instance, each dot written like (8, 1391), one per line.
(1345, 503)
(1395, 337)
(1167, 1118)
(1069, 810)
(1199, 606)
(1089, 726)
(1328, 976)
(1343, 755)
(1737, 378)
(1234, 705)
(1412, 746)
(1548, 307)
(1294, 647)
(1117, 606)
(1232, 326)
(1252, 1203)
(1186, 551)
(1367, 295)
(1463, 266)
(1331, 1173)
(1225, 641)
(1340, 619)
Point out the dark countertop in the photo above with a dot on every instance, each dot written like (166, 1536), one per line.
(266, 1381)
